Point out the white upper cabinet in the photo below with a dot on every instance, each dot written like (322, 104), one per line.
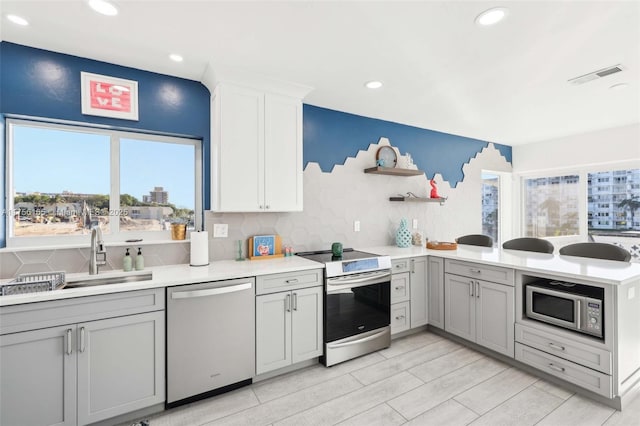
(256, 150)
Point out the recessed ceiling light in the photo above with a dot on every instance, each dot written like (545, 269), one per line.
(175, 57)
(373, 84)
(103, 7)
(18, 20)
(491, 16)
(619, 86)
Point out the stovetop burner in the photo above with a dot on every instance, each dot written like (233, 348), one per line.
(326, 256)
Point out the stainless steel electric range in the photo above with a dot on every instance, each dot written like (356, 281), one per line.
(357, 302)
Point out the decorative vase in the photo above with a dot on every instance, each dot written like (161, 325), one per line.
(403, 235)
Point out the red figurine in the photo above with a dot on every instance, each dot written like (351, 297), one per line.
(434, 189)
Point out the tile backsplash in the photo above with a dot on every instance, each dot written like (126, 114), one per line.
(332, 203)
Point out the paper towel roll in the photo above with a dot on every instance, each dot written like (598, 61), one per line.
(199, 248)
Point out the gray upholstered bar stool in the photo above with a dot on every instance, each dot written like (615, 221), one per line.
(596, 251)
(529, 244)
(475, 240)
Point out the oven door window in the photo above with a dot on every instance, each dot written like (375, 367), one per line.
(553, 306)
(356, 310)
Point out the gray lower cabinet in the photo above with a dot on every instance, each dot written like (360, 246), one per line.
(120, 365)
(409, 294)
(38, 378)
(84, 372)
(435, 291)
(288, 328)
(419, 294)
(480, 311)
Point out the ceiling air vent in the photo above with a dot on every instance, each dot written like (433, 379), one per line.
(597, 74)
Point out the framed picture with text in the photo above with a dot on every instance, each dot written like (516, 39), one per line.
(109, 96)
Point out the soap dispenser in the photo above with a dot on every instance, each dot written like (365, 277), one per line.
(139, 260)
(127, 262)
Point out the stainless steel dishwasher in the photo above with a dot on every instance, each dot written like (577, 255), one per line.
(210, 339)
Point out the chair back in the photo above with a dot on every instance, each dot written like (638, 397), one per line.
(597, 251)
(475, 240)
(529, 244)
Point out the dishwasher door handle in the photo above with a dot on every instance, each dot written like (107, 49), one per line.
(210, 291)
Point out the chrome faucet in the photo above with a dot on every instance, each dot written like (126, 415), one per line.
(97, 250)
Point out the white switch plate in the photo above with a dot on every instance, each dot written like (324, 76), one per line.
(356, 226)
(220, 230)
(631, 293)
(415, 223)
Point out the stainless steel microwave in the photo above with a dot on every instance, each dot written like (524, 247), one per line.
(572, 306)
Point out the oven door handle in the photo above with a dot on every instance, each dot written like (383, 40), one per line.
(357, 341)
(367, 279)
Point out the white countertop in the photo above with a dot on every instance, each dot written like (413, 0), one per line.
(164, 276)
(603, 271)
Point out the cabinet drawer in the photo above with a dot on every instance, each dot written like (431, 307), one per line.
(598, 359)
(582, 376)
(479, 271)
(266, 284)
(31, 316)
(400, 265)
(400, 287)
(399, 317)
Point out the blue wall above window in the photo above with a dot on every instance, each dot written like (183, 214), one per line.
(40, 83)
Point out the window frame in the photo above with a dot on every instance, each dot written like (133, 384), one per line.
(583, 207)
(114, 135)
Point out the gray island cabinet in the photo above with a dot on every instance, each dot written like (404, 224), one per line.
(81, 360)
(479, 304)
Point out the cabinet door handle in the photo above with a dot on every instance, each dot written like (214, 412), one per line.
(295, 301)
(475, 271)
(478, 289)
(267, 206)
(69, 348)
(81, 349)
(556, 347)
(413, 266)
(399, 287)
(291, 281)
(556, 368)
(287, 303)
(471, 289)
(399, 317)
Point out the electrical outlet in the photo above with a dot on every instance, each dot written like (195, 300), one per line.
(415, 223)
(356, 226)
(220, 230)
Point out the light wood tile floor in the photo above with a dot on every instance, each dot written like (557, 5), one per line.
(422, 379)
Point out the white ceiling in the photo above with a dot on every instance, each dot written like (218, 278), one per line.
(505, 84)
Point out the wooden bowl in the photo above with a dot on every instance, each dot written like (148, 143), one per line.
(441, 245)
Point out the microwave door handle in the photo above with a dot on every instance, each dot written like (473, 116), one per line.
(578, 315)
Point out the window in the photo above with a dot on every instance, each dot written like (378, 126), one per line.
(622, 212)
(551, 206)
(490, 205)
(64, 179)
(586, 204)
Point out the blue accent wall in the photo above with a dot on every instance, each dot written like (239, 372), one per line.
(332, 136)
(40, 83)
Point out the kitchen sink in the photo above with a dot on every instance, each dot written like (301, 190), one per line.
(119, 279)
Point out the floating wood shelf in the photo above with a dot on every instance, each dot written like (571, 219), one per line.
(393, 171)
(440, 200)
